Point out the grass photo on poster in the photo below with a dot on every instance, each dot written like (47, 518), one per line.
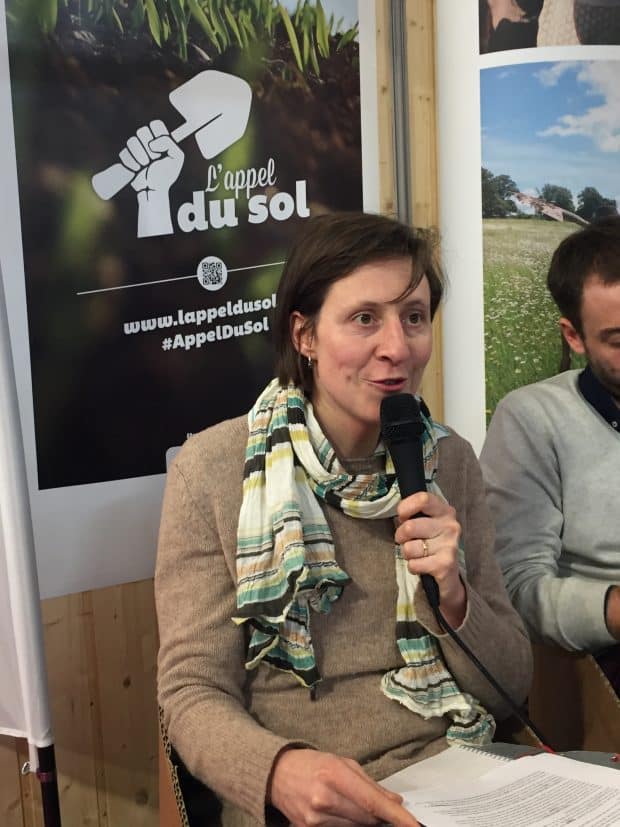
(221, 23)
(522, 336)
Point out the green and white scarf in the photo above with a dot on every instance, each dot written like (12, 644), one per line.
(286, 562)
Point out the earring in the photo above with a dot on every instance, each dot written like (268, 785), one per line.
(309, 362)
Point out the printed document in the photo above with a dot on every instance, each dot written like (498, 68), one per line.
(535, 791)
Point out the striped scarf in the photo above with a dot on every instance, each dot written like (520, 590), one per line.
(286, 562)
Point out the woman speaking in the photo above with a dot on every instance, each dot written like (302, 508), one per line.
(300, 660)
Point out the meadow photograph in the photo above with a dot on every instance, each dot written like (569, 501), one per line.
(550, 164)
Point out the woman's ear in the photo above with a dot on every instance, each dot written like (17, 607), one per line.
(301, 334)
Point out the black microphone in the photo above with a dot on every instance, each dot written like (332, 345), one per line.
(402, 429)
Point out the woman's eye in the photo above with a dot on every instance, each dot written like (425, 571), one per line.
(415, 317)
(364, 318)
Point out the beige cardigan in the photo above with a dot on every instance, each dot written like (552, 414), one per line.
(228, 724)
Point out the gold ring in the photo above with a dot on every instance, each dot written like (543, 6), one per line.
(425, 548)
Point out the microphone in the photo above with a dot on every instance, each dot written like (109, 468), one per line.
(402, 429)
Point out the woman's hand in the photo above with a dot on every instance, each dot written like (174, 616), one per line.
(430, 543)
(318, 789)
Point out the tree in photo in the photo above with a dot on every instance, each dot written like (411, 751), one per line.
(560, 196)
(496, 195)
(592, 205)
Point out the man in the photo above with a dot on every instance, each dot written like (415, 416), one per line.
(551, 462)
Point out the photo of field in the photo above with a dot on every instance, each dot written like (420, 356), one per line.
(550, 164)
(522, 338)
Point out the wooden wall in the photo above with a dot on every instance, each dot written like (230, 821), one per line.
(101, 645)
(422, 140)
(101, 649)
(423, 143)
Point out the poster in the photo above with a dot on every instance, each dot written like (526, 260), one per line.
(539, 132)
(166, 153)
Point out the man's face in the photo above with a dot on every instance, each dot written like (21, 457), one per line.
(600, 336)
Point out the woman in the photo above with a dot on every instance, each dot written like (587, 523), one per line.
(280, 583)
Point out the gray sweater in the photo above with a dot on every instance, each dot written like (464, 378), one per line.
(228, 724)
(552, 468)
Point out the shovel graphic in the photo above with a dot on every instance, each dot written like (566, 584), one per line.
(216, 108)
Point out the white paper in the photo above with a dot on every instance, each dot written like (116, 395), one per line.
(459, 762)
(537, 791)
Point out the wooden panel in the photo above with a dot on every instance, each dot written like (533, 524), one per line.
(30, 789)
(71, 664)
(126, 652)
(423, 143)
(385, 109)
(11, 809)
(101, 649)
(422, 118)
(572, 702)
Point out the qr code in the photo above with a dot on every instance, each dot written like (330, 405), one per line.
(212, 272)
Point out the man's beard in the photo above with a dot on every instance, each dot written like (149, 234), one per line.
(608, 379)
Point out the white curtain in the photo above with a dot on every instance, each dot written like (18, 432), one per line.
(24, 708)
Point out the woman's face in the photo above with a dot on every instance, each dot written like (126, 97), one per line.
(365, 346)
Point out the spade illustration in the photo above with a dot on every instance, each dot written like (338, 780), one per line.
(216, 108)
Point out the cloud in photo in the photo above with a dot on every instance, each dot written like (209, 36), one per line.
(553, 123)
(551, 75)
(601, 123)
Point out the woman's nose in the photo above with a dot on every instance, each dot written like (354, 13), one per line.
(393, 341)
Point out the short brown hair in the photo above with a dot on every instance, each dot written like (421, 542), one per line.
(329, 248)
(593, 250)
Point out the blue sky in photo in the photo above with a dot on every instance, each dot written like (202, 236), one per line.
(553, 123)
(345, 9)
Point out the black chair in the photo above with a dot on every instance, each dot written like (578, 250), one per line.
(183, 800)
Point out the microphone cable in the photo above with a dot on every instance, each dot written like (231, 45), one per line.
(401, 429)
(517, 711)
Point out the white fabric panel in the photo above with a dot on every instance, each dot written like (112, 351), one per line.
(458, 112)
(24, 710)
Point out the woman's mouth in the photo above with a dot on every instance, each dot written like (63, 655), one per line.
(391, 385)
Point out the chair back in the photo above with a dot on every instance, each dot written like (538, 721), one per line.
(184, 801)
(169, 815)
(572, 702)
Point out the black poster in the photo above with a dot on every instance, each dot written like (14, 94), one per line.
(167, 153)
